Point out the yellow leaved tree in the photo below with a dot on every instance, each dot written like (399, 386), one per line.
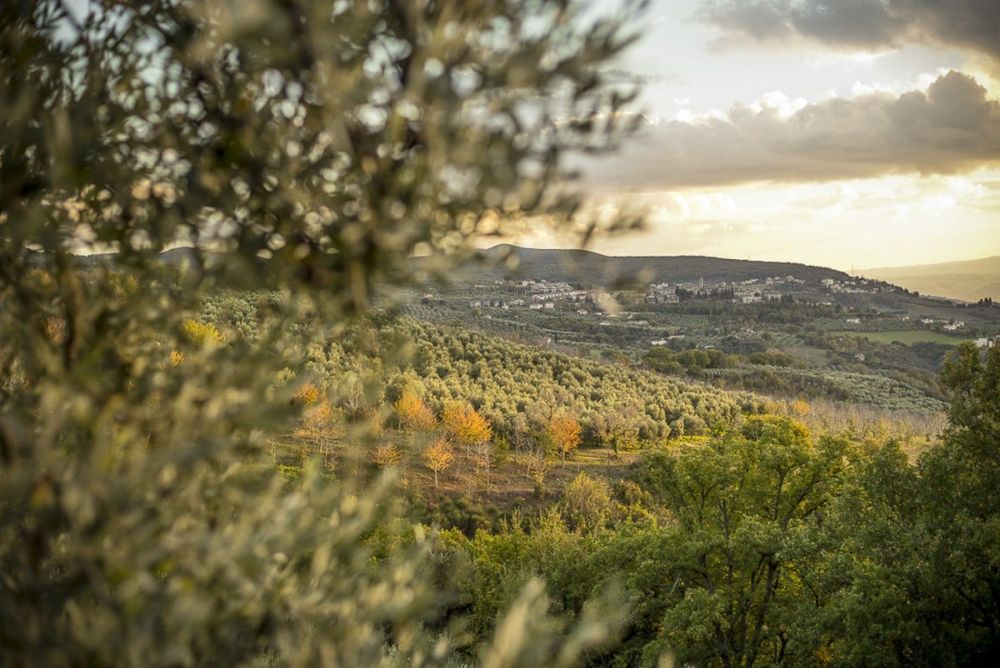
(466, 425)
(414, 413)
(438, 457)
(564, 433)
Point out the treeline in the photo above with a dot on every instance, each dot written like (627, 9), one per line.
(505, 380)
(787, 311)
(695, 360)
(774, 373)
(916, 365)
(770, 545)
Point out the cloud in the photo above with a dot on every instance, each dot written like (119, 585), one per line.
(836, 224)
(951, 127)
(861, 24)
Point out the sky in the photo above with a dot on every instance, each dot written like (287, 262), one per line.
(845, 133)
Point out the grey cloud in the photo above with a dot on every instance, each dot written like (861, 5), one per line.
(869, 24)
(950, 128)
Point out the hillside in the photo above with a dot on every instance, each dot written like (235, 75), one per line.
(787, 331)
(588, 267)
(970, 281)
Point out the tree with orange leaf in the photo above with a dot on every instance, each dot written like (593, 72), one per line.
(438, 457)
(320, 423)
(414, 413)
(465, 424)
(307, 394)
(385, 454)
(564, 433)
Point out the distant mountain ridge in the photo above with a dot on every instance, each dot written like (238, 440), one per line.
(970, 280)
(588, 267)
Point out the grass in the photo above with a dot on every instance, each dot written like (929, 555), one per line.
(507, 489)
(907, 337)
(811, 354)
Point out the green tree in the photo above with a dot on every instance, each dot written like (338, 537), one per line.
(959, 479)
(748, 508)
(917, 569)
(619, 427)
(587, 505)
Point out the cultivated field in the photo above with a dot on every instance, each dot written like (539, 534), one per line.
(907, 337)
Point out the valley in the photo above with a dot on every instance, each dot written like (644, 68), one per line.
(839, 338)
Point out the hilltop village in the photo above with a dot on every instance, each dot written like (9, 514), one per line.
(541, 294)
(814, 333)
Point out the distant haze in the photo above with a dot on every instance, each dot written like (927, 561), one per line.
(970, 281)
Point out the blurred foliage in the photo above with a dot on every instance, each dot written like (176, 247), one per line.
(305, 148)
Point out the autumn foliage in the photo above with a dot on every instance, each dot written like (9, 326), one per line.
(306, 395)
(413, 413)
(564, 433)
(320, 424)
(385, 454)
(201, 333)
(465, 424)
(438, 457)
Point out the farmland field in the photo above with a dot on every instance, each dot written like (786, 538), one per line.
(908, 337)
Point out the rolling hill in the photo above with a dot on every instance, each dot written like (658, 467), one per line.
(971, 280)
(587, 267)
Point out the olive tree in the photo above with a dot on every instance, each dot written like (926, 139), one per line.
(307, 147)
